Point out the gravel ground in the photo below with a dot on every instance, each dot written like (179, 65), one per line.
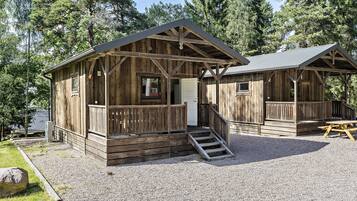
(265, 168)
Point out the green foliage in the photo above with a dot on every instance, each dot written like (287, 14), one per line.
(162, 13)
(210, 14)
(249, 23)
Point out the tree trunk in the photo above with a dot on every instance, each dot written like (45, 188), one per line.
(2, 132)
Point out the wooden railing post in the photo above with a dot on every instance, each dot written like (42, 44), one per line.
(106, 92)
(185, 116)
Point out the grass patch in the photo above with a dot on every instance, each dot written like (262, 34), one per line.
(36, 149)
(11, 157)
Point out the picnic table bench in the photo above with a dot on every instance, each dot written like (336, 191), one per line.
(343, 126)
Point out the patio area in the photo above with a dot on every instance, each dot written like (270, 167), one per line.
(264, 168)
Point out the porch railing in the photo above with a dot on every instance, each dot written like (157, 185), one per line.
(139, 119)
(218, 124)
(341, 110)
(203, 115)
(285, 111)
(314, 110)
(97, 116)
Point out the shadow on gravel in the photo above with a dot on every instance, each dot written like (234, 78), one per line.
(249, 149)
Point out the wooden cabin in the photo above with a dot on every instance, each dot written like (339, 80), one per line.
(136, 98)
(282, 93)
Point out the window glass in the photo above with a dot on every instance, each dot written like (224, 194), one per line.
(75, 84)
(242, 87)
(150, 87)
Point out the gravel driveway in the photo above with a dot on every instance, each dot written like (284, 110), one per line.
(265, 168)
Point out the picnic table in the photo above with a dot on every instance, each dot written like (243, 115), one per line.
(342, 126)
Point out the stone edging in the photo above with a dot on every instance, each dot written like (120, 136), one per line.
(51, 192)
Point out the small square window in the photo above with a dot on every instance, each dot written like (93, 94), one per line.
(150, 87)
(242, 88)
(75, 83)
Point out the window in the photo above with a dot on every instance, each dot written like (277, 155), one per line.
(75, 84)
(242, 88)
(150, 88)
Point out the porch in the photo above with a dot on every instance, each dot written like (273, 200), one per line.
(126, 120)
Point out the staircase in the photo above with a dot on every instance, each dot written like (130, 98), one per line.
(209, 145)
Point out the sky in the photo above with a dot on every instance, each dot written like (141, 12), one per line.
(142, 4)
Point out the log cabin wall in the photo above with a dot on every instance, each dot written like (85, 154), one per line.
(124, 81)
(70, 107)
(282, 89)
(247, 107)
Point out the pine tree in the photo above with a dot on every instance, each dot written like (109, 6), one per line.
(248, 25)
(209, 14)
(161, 13)
(302, 23)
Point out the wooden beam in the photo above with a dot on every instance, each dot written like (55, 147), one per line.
(300, 75)
(91, 69)
(334, 58)
(117, 65)
(106, 92)
(212, 44)
(190, 45)
(319, 76)
(179, 65)
(168, 90)
(329, 63)
(327, 69)
(198, 50)
(271, 76)
(211, 71)
(295, 81)
(217, 88)
(133, 79)
(181, 37)
(176, 39)
(171, 57)
(223, 72)
(202, 75)
(173, 30)
(159, 66)
(186, 33)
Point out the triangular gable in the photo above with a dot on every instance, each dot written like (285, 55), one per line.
(158, 32)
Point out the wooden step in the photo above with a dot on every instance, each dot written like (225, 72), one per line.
(221, 157)
(209, 144)
(215, 150)
(204, 138)
(218, 153)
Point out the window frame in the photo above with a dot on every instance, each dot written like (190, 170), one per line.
(75, 75)
(143, 97)
(242, 92)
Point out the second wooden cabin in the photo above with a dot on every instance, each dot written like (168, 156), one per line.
(283, 93)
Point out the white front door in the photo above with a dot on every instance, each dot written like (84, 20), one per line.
(189, 94)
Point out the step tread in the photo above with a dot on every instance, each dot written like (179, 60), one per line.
(209, 144)
(221, 157)
(203, 138)
(215, 150)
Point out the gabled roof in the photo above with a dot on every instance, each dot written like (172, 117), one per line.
(152, 31)
(295, 58)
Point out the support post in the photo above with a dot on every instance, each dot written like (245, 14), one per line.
(168, 90)
(133, 86)
(323, 94)
(295, 81)
(106, 92)
(217, 88)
